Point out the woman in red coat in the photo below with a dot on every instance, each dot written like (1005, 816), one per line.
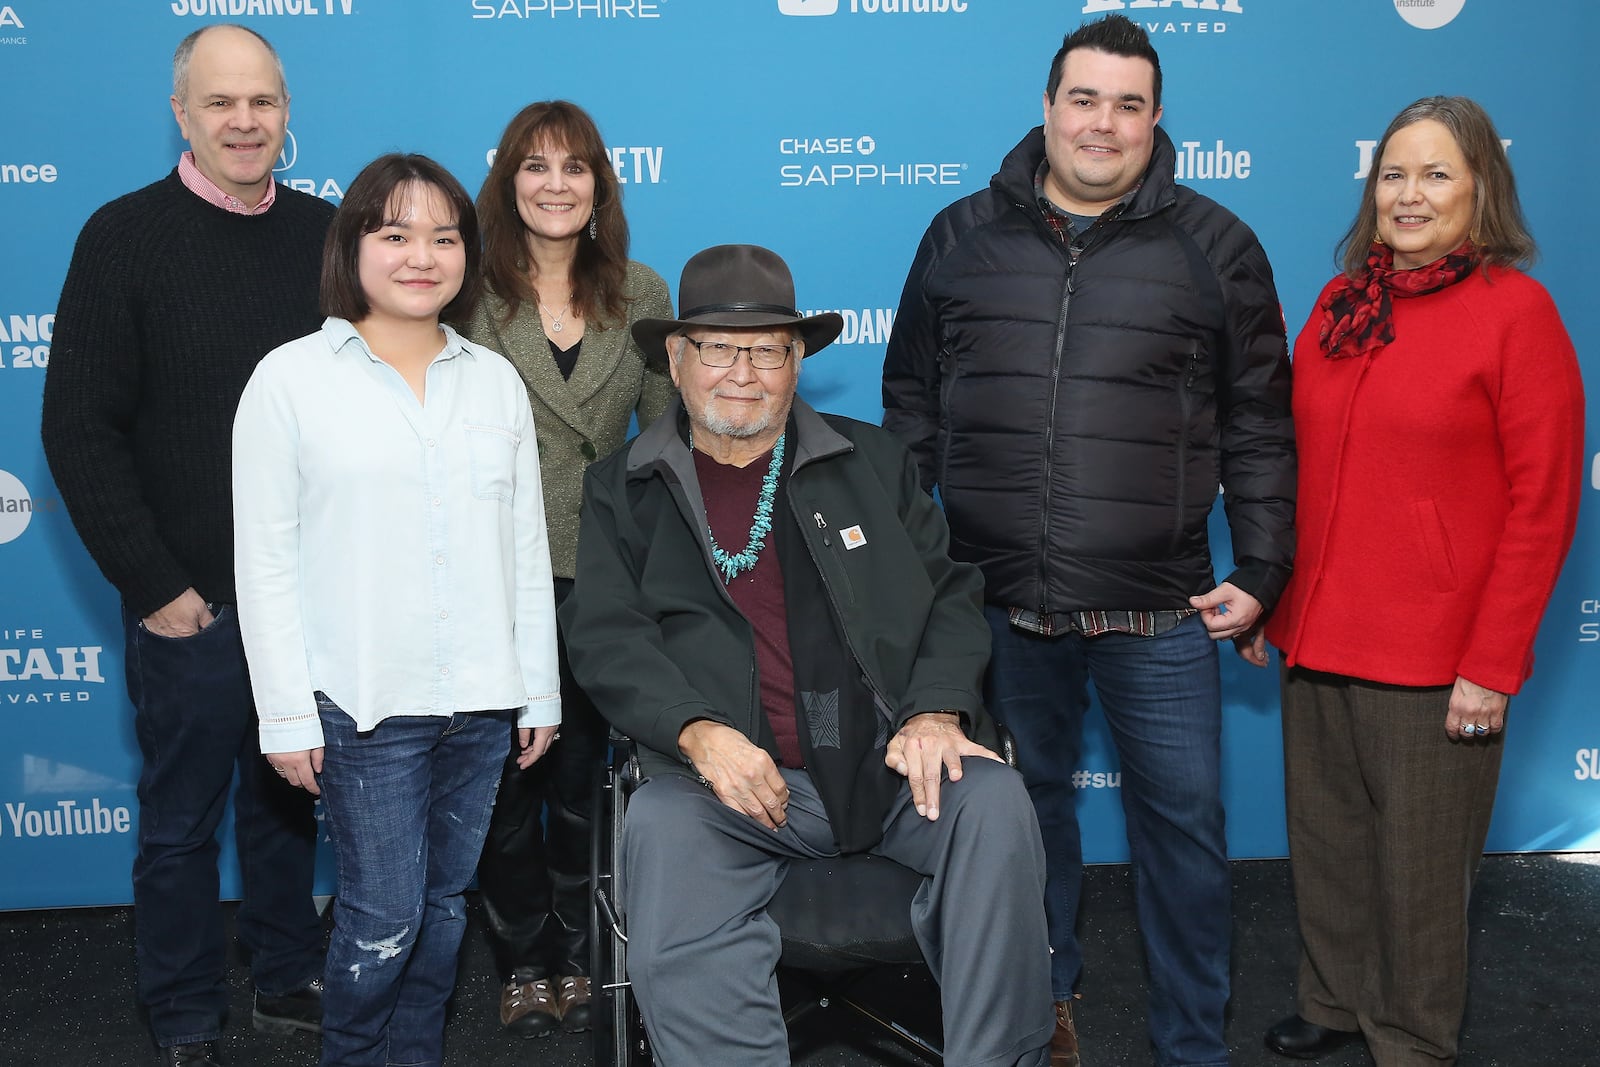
(1439, 416)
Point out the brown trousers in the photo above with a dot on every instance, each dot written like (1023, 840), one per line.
(1387, 819)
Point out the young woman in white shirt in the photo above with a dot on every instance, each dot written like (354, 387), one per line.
(395, 594)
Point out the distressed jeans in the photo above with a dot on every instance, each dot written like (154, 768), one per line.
(407, 805)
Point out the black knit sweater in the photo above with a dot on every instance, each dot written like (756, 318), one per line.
(168, 305)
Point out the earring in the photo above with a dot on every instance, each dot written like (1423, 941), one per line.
(594, 226)
(1377, 238)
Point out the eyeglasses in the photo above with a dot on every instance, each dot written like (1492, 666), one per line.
(762, 357)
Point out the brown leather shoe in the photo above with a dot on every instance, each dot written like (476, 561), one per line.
(528, 1009)
(572, 996)
(1064, 1042)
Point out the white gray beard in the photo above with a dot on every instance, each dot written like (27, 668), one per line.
(723, 426)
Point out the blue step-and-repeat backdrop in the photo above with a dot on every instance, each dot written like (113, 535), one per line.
(830, 130)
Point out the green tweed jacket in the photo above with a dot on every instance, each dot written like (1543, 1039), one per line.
(584, 418)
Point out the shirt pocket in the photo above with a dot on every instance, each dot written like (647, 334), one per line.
(492, 453)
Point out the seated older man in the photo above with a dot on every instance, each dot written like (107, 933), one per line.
(764, 603)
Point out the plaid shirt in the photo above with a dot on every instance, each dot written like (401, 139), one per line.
(1087, 623)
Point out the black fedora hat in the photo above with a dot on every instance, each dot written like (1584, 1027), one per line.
(737, 285)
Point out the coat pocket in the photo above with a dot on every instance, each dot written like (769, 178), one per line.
(1435, 541)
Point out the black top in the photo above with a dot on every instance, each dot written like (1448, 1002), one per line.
(168, 305)
(566, 358)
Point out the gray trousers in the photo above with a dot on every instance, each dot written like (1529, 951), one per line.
(702, 953)
(1387, 819)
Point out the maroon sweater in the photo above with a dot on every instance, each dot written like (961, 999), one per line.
(731, 494)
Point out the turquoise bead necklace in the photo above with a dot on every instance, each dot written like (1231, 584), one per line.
(732, 566)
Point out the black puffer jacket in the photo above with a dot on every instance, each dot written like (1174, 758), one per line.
(1078, 408)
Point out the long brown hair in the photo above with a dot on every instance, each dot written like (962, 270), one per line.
(600, 267)
(1498, 228)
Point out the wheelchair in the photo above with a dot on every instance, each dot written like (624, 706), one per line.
(841, 919)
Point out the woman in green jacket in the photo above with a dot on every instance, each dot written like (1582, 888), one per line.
(561, 298)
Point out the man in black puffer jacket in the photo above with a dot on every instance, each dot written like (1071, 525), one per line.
(1083, 351)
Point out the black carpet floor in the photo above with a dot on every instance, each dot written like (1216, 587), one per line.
(66, 980)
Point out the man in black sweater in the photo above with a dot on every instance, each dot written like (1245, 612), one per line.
(173, 294)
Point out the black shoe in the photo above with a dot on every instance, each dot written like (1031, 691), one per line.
(572, 997)
(299, 1010)
(199, 1054)
(1304, 1040)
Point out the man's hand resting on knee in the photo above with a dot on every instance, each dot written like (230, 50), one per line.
(741, 773)
(928, 745)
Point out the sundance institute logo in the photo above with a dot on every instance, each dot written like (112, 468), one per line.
(16, 507)
(1428, 14)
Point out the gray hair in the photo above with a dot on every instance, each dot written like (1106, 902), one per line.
(185, 52)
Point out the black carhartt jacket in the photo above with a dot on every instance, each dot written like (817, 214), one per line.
(1078, 407)
(878, 632)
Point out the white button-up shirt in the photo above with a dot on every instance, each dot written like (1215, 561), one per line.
(390, 553)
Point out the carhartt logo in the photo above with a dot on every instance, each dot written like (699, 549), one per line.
(1429, 14)
(852, 537)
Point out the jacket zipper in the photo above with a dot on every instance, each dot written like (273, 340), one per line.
(827, 539)
(1075, 249)
(833, 599)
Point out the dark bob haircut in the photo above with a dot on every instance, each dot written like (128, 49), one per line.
(370, 202)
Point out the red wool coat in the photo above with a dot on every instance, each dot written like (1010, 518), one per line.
(1439, 487)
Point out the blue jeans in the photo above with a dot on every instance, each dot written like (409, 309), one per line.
(407, 805)
(1162, 698)
(195, 723)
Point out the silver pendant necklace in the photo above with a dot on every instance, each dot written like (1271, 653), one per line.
(555, 320)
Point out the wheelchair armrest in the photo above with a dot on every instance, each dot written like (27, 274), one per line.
(623, 760)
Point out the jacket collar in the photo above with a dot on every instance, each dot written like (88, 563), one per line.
(524, 335)
(1159, 188)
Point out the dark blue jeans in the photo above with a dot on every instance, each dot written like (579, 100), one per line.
(1162, 698)
(195, 723)
(407, 805)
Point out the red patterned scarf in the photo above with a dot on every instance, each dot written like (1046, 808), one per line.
(1357, 317)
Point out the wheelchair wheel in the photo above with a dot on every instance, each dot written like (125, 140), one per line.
(617, 1029)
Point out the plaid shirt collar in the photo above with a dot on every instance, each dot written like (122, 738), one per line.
(1057, 218)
